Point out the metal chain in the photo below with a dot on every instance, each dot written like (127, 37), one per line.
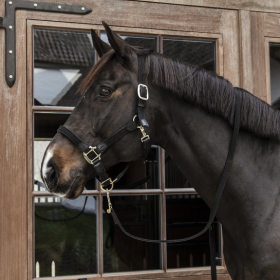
(109, 202)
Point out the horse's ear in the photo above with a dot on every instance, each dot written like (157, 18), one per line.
(122, 49)
(100, 46)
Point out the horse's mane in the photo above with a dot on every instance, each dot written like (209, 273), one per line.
(205, 89)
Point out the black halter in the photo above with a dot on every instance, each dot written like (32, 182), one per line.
(106, 181)
(93, 154)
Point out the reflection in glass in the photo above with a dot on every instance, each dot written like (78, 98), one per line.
(65, 236)
(186, 215)
(200, 53)
(274, 52)
(142, 174)
(144, 41)
(140, 216)
(45, 127)
(62, 58)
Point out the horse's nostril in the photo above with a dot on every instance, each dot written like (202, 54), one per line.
(51, 174)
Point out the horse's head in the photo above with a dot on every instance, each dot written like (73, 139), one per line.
(108, 103)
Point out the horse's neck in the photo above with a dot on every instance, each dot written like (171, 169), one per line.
(198, 143)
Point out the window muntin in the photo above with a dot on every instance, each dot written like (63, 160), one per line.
(65, 236)
(158, 189)
(62, 59)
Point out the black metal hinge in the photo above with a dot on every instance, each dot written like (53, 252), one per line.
(8, 23)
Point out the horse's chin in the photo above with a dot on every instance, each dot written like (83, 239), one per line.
(73, 190)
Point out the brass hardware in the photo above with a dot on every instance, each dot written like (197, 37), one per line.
(143, 133)
(90, 161)
(108, 191)
(142, 130)
(109, 203)
(111, 182)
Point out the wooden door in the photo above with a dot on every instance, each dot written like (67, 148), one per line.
(17, 193)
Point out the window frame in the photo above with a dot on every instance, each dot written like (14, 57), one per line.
(162, 191)
(268, 41)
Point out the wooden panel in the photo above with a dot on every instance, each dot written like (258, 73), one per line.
(13, 215)
(258, 55)
(142, 15)
(272, 6)
(231, 47)
(272, 25)
(29, 132)
(246, 75)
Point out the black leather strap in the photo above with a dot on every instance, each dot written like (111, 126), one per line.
(75, 139)
(146, 145)
(101, 148)
(143, 91)
(212, 243)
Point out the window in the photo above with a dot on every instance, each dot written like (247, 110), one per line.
(153, 200)
(274, 55)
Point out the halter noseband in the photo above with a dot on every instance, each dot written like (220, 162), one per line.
(96, 152)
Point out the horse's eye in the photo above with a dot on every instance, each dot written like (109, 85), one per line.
(105, 92)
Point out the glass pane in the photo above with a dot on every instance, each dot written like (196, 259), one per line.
(144, 41)
(275, 74)
(45, 127)
(142, 174)
(186, 215)
(62, 58)
(200, 53)
(65, 236)
(140, 216)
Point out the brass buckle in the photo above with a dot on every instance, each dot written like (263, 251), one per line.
(111, 182)
(143, 133)
(139, 93)
(108, 191)
(90, 161)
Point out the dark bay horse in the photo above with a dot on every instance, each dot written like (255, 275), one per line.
(190, 114)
